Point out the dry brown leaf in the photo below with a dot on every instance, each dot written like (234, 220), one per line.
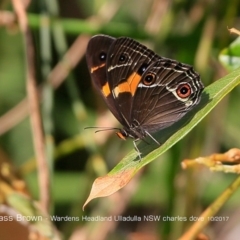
(217, 161)
(109, 184)
(234, 30)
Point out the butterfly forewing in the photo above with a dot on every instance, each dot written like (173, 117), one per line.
(96, 55)
(127, 60)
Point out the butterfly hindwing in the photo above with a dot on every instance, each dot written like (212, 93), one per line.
(159, 93)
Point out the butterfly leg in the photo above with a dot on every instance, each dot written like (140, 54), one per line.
(136, 148)
(155, 140)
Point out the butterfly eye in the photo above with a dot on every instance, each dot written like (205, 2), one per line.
(184, 90)
(149, 79)
(102, 56)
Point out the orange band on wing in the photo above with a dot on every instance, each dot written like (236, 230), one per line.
(93, 69)
(129, 86)
(106, 90)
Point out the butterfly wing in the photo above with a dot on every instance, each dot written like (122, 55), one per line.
(144, 91)
(167, 91)
(96, 55)
(126, 62)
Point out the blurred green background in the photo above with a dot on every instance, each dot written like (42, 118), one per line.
(192, 32)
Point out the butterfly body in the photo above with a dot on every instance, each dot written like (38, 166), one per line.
(143, 90)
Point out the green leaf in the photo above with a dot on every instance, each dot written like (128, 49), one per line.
(122, 173)
(77, 26)
(230, 56)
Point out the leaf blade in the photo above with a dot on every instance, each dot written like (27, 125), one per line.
(211, 96)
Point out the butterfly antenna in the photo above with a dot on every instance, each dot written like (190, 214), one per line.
(101, 129)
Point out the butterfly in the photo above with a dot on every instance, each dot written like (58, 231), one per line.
(144, 91)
